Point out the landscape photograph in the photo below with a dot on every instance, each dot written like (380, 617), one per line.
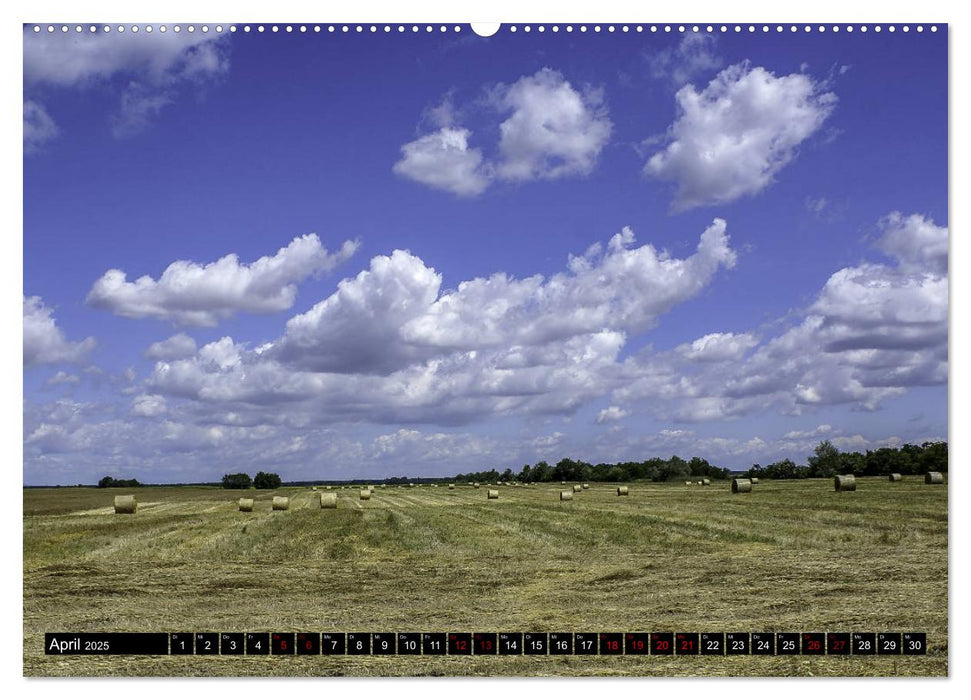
(396, 350)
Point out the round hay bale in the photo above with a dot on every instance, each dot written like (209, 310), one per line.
(585, 486)
(365, 494)
(933, 478)
(475, 485)
(125, 504)
(845, 482)
(577, 488)
(566, 495)
(451, 487)
(623, 491)
(706, 482)
(328, 500)
(687, 483)
(562, 483)
(754, 479)
(896, 477)
(328, 487)
(741, 486)
(246, 505)
(313, 488)
(493, 494)
(281, 503)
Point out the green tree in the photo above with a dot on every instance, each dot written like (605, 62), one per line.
(825, 461)
(264, 480)
(236, 481)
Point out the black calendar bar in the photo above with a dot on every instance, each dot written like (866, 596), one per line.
(106, 643)
(688, 644)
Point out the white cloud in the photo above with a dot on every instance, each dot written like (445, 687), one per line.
(62, 377)
(148, 405)
(188, 293)
(915, 241)
(152, 66)
(719, 347)
(818, 431)
(39, 128)
(443, 160)
(177, 347)
(733, 137)
(44, 342)
(694, 55)
(612, 413)
(872, 332)
(389, 346)
(454, 449)
(552, 131)
(392, 315)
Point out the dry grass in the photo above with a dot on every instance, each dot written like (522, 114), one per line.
(437, 560)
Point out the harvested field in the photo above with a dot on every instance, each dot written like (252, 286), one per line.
(189, 559)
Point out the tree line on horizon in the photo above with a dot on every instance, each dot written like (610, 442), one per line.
(656, 469)
(828, 461)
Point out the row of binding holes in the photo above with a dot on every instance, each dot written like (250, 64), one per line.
(751, 28)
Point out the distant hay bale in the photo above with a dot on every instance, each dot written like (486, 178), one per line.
(475, 485)
(623, 491)
(493, 493)
(328, 487)
(451, 487)
(754, 479)
(562, 483)
(706, 482)
(566, 495)
(384, 486)
(896, 477)
(471, 482)
(845, 482)
(687, 483)
(313, 488)
(246, 505)
(741, 486)
(933, 478)
(585, 486)
(365, 494)
(328, 500)
(577, 487)
(281, 503)
(125, 504)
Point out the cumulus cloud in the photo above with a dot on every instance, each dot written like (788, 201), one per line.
(174, 348)
(694, 55)
(389, 346)
(612, 413)
(44, 342)
(148, 405)
(188, 293)
(39, 128)
(872, 332)
(553, 130)
(719, 347)
(392, 314)
(151, 67)
(443, 160)
(731, 139)
(62, 378)
(915, 241)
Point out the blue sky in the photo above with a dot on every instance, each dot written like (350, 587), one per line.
(610, 247)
